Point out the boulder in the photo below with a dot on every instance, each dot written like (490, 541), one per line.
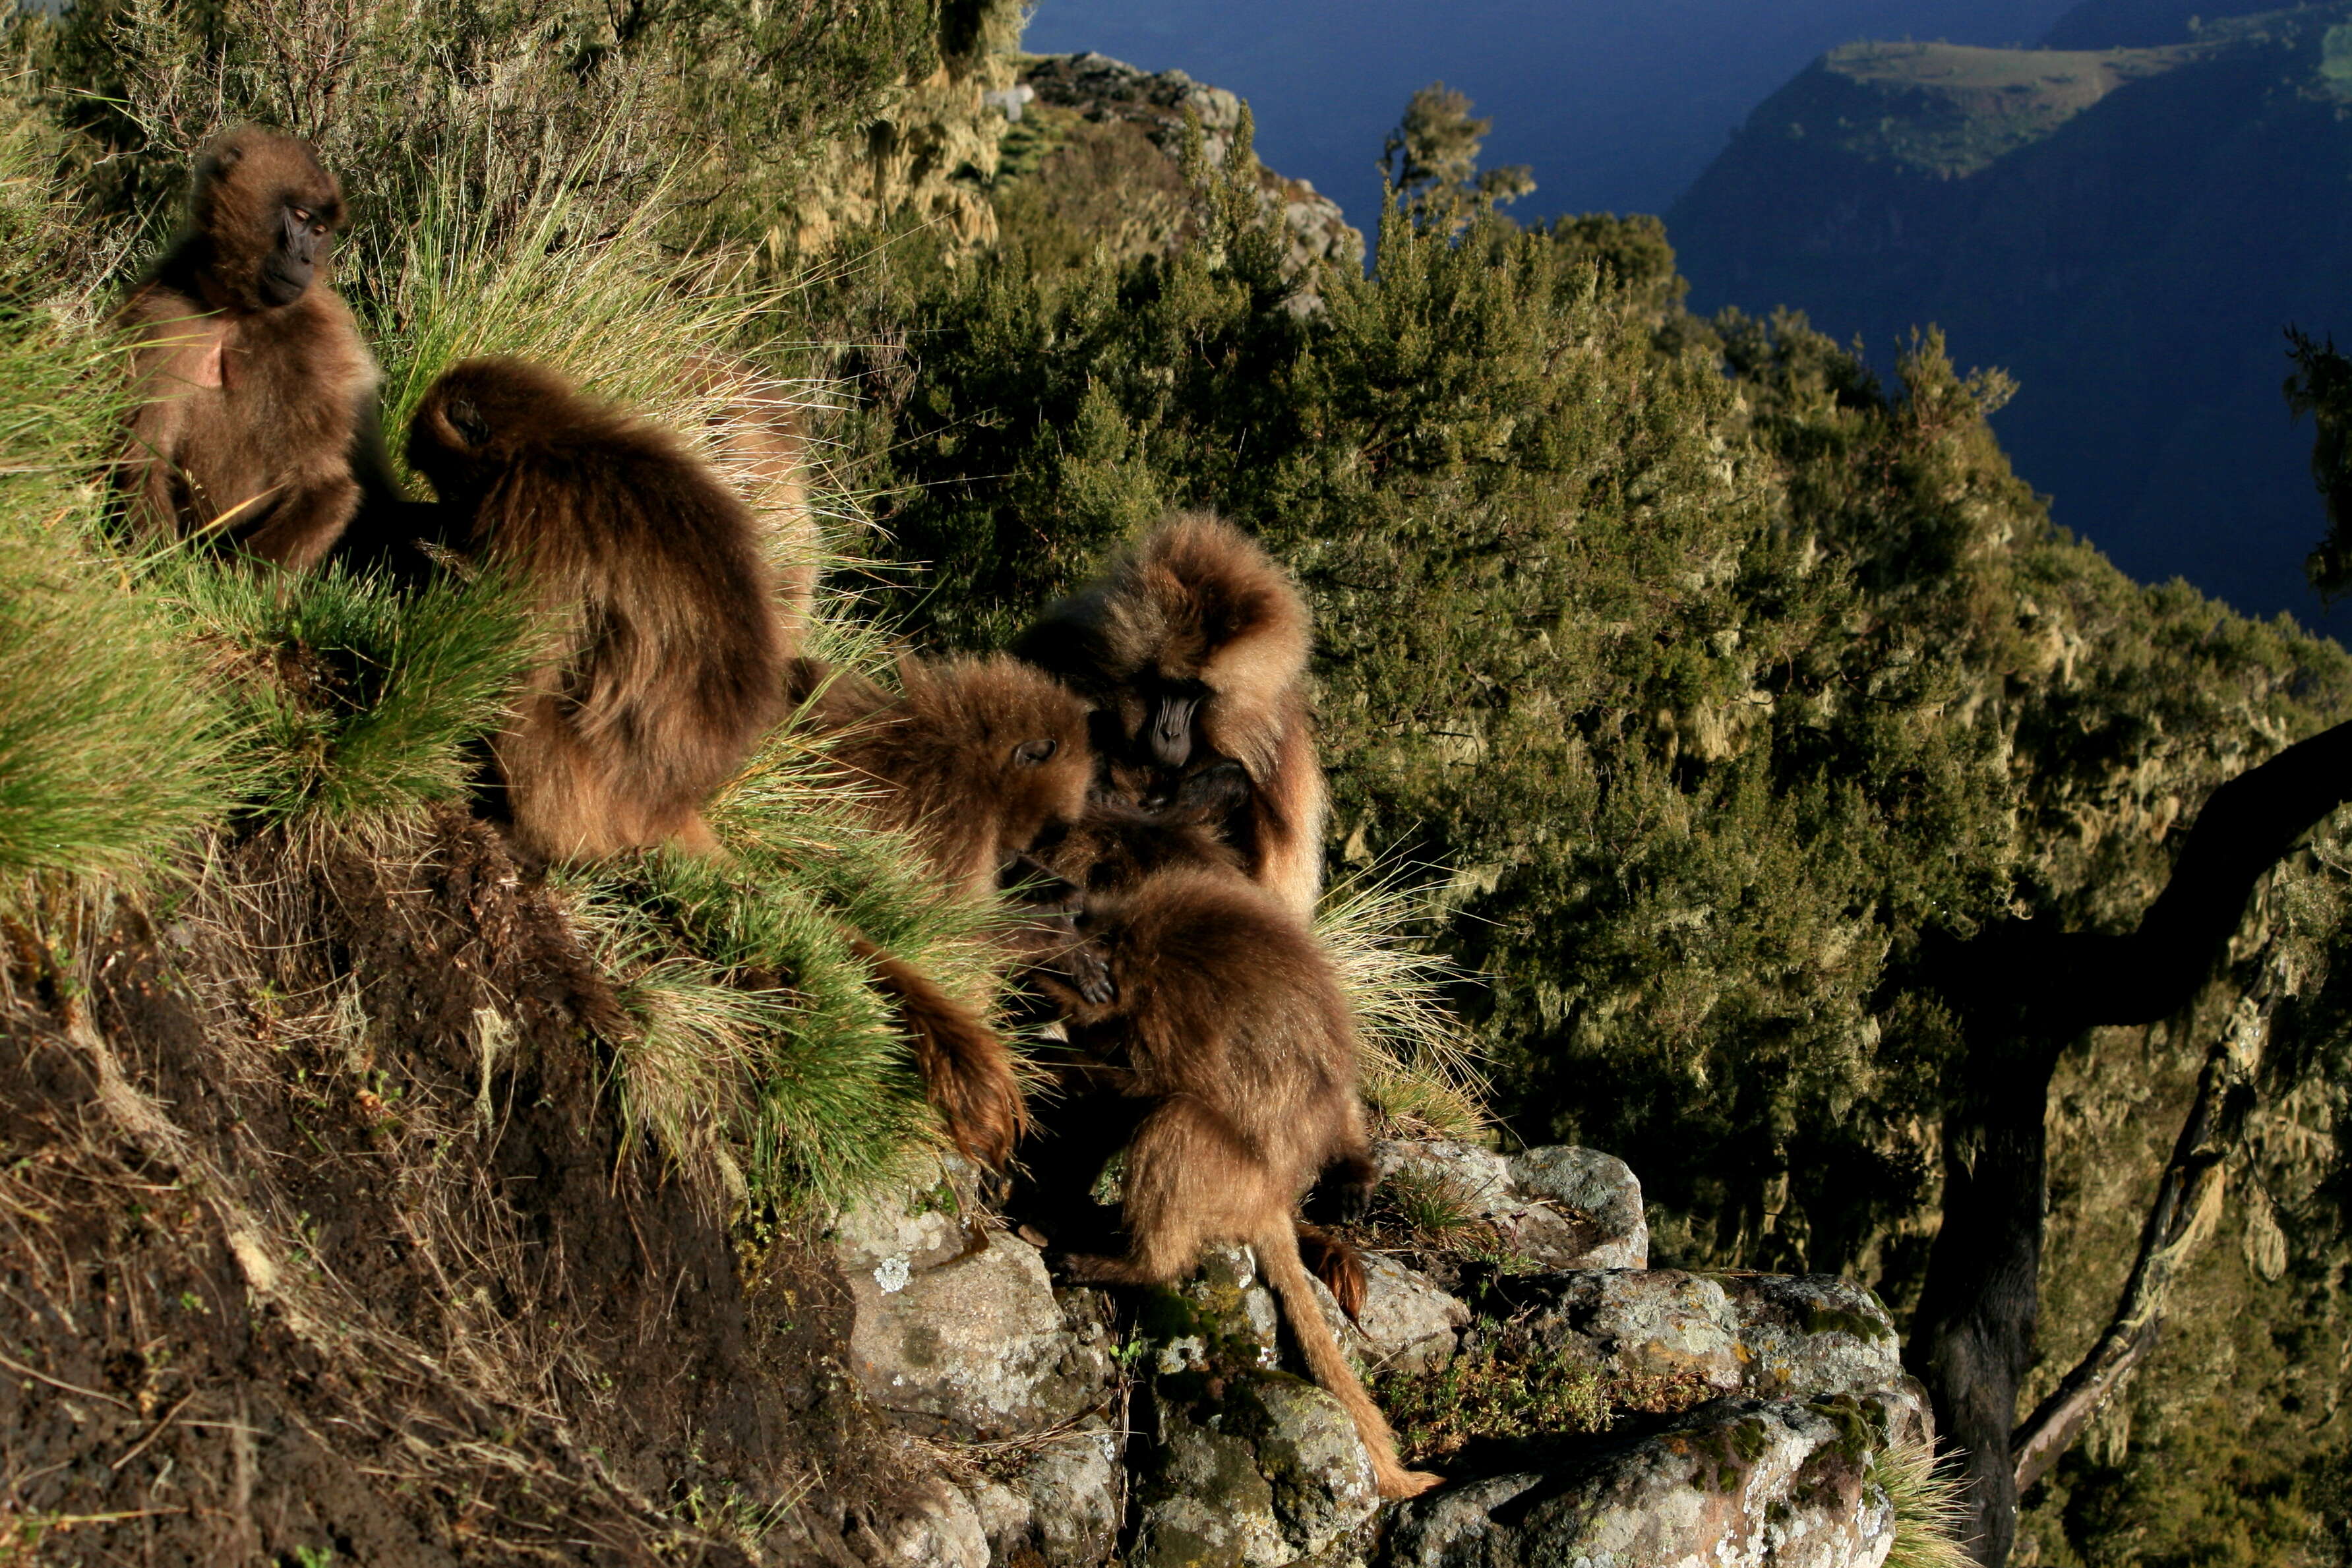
(956, 1326)
(1269, 1474)
(1557, 1207)
(1736, 1483)
(930, 1525)
(1771, 1336)
(1407, 1324)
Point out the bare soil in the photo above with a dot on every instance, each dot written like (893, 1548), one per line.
(320, 1242)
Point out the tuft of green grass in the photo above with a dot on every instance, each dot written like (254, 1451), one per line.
(1929, 1510)
(351, 699)
(112, 750)
(761, 1044)
(1420, 1068)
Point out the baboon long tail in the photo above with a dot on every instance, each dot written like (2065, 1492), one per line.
(1278, 1254)
(966, 1070)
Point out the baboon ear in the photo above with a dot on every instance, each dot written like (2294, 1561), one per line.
(1035, 751)
(466, 420)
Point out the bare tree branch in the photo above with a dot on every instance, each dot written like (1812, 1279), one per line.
(2187, 1198)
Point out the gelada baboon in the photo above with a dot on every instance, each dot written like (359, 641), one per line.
(981, 760)
(252, 380)
(978, 758)
(670, 663)
(1112, 850)
(1193, 646)
(1226, 1018)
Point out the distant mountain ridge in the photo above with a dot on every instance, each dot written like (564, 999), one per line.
(2127, 223)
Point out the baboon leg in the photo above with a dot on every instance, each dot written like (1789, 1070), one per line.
(1191, 1180)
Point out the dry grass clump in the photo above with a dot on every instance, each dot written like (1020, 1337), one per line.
(1421, 1075)
(1930, 1513)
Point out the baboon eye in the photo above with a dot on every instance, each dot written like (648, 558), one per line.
(1035, 751)
(301, 215)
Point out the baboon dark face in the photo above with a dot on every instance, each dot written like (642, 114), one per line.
(270, 212)
(1171, 708)
(305, 238)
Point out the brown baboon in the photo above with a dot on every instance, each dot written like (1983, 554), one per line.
(978, 758)
(1193, 646)
(981, 759)
(671, 662)
(1226, 1018)
(252, 379)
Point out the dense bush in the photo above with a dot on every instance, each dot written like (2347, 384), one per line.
(1716, 674)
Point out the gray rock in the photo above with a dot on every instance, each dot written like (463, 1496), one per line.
(933, 1525)
(1272, 1475)
(1774, 1336)
(1737, 1483)
(1307, 1448)
(1559, 1208)
(1597, 1192)
(1407, 1323)
(1205, 1502)
(1478, 1179)
(1809, 1334)
(1074, 1496)
(956, 1327)
(1005, 1517)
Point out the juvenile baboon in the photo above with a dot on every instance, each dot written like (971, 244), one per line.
(1225, 1017)
(251, 378)
(978, 758)
(670, 661)
(1192, 644)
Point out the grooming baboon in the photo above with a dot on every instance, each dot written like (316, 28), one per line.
(1227, 1019)
(1193, 646)
(978, 758)
(670, 661)
(252, 382)
(1112, 850)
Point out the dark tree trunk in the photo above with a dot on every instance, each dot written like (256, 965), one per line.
(1973, 1341)
(2023, 995)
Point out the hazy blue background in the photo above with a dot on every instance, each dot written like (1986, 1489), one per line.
(1617, 104)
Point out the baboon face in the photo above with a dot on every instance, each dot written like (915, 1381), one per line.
(476, 418)
(271, 213)
(1172, 707)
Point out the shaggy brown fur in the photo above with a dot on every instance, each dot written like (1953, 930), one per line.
(252, 378)
(1228, 1019)
(1193, 648)
(978, 758)
(1116, 847)
(671, 661)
